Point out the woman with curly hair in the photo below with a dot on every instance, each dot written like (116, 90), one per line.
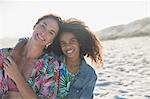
(77, 78)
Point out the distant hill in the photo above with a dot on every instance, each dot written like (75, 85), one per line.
(7, 42)
(136, 28)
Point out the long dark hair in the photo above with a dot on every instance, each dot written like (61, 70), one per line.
(90, 44)
(23, 41)
(51, 16)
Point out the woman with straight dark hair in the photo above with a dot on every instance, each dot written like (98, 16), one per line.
(27, 71)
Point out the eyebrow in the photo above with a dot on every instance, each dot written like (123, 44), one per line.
(73, 38)
(45, 23)
(51, 30)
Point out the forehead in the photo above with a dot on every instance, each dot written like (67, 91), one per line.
(67, 36)
(51, 24)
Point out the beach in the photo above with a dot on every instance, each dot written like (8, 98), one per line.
(126, 70)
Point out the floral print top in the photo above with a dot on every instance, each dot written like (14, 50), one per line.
(65, 79)
(44, 78)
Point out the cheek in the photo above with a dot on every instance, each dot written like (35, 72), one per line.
(49, 38)
(77, 47)
(63, 49)
(34, 33)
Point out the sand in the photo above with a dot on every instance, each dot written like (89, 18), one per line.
(126, 71)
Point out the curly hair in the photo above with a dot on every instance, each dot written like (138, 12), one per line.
(90, 44)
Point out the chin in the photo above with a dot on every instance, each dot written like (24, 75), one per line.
(71, 56)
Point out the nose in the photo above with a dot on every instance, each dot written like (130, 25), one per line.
(67, 45)
(42, 33)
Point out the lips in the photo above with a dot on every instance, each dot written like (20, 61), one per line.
(69, 51)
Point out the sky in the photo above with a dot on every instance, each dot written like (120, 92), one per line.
(17, 17)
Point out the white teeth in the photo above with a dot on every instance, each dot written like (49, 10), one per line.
(70, 51)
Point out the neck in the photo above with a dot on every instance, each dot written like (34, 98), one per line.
(73, 62)
(32, 51)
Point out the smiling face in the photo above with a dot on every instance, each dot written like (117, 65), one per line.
(45, 31)
(69, 45)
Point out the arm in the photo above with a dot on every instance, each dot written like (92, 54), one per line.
(12, 71)
(87, 91)
(24, 89)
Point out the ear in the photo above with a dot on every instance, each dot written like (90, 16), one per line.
(48, 44)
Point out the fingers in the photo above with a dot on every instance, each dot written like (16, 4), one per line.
(5, 66)
(10, 59)
(8, 62)
(8, 65)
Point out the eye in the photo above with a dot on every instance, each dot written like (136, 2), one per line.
(74, 40)
(41, 26)
(52, 33)
(62, 44)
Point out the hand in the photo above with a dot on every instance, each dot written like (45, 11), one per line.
(1, 60)
(11, 69)
(1, 63)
